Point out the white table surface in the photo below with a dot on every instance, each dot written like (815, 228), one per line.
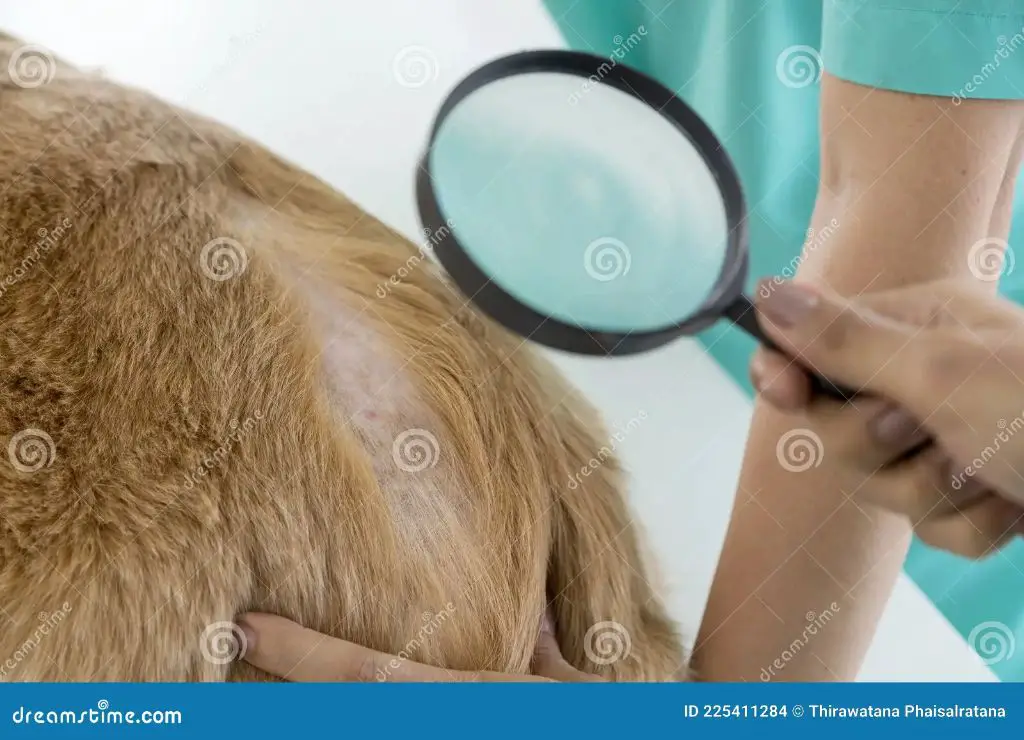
(315, 80)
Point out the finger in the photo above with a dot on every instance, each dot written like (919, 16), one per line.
(851, 344)
(288, 650)
(974, 532)
(921, 488)
(549, 663)
(866, 435)
(895, 434)
(877, 435)
(780, 381)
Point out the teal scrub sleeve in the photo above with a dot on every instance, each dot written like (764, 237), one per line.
(954, 48)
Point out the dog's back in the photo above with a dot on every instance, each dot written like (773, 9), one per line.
(226, 388)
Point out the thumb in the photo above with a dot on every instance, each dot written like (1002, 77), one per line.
(846, 342)
(548, 661)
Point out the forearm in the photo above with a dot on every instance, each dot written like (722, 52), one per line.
(804, 574)
(912, 185)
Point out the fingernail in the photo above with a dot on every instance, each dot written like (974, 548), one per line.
(788, 304)
(547, 627)
(248, 638)
(757, 373)
(894, 426)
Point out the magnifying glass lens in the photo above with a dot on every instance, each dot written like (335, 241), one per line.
(581, 202)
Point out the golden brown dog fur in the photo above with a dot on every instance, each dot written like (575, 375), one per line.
(140, 367)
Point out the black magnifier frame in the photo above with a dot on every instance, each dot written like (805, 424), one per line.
(727, 299)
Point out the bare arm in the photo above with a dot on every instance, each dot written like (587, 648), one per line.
(913, 182)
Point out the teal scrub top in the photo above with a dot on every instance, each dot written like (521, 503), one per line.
(751, 68)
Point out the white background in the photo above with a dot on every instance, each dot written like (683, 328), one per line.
(316, 81)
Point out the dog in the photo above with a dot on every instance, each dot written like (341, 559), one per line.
(225, 387)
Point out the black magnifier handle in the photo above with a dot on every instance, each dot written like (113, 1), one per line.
(743, 313)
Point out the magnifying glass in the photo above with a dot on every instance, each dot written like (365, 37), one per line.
(585, 207)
